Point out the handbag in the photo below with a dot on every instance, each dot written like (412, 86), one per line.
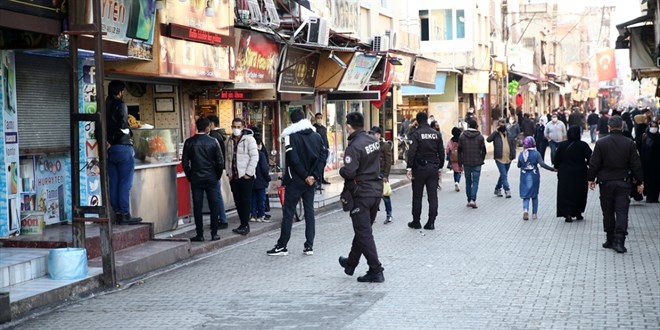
(387, 189)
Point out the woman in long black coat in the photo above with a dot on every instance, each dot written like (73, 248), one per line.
(571, 161)
(651, 162)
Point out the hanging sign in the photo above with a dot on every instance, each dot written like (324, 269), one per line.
(299, 73)
(256, 61)
(358, 72)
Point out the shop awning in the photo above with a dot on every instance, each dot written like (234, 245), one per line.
(524, 75)
(440, 80)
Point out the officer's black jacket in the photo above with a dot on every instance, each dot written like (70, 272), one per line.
(202, 159)
(615, 157)
(361, 170)
(425, 146)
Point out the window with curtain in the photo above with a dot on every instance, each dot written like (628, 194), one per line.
(442, 24)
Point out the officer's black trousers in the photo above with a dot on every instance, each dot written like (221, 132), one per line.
(363, 215)
(615, 201)
(425, 176)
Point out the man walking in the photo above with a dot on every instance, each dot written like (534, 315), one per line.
(385, 166)
(323, 131)
(216, 133)
(504, 152)
(471, 155)
(592, 121)
(555, 133)
(426, 158)
(363, 189)
(203, 164)
(614, 163)
(240, 164)
(305, 160)
(576, 118)
(121, 162)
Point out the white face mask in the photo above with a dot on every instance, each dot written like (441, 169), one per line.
(236, 131)
(554, 120)
(653, 130)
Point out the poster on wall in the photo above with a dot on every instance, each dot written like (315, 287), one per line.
(53, 186)
(88, 154)
(9, 182)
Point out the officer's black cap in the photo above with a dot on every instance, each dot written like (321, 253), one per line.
(375, 130)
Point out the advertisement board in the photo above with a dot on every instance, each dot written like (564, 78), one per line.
(257, 58)
(88, 153)
(299, 74)
(188, 59)
(9, 182)
(358, 72)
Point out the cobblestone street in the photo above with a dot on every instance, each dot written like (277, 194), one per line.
(481, 268)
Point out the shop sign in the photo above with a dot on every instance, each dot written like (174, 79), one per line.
(192, 34)
(475, 82)
(300, 71)
(256, 60)
(53, 179)
(10, 182)
(402, 72)
(193, 14)
(43, 8)
(88, 153)
(424, 73)
(354, 96)
(359, 72)
(217, 94)
(187, 59)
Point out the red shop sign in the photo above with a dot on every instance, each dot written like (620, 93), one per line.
(192, 34)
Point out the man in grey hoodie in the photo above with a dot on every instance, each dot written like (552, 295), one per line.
(471, 155)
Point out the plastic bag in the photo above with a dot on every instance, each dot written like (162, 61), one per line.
(387, 189)
(67, 263)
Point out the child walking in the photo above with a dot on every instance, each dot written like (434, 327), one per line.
(530, 178)
(452, 157)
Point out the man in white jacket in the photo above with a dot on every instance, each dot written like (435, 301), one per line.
(240, 164)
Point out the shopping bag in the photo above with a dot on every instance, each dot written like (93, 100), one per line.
(387, 189)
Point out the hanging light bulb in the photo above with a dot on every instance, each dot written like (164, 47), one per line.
(209, 10)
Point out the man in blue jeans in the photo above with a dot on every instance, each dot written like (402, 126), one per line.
(504, 151)
(121, 162)
(471, 155)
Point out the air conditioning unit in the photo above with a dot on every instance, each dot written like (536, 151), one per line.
(318, 31)
(381, 44)
(393, 38)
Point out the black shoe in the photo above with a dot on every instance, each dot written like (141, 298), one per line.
(127, 219)
(197, 238)
(277, 251)
(372, 277)
(579, 217)
(568, 219)
(415, 225)
(215, 237)
(266, 216)
(223, 225)
(344, 263)
(242, 230)
(608, 244)
(429, 226)
(325, 182)
(618, 245)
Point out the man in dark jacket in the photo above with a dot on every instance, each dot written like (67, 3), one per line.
(426, 158)
(592, 121)
(216, 133)
(203, 164)
(527, 126)
(361, 172)
(385, 166)
(504, 152)
(121, 164)
(614, 163)
(471, 155)
(576, 118)
(305, 159)
(318, 124)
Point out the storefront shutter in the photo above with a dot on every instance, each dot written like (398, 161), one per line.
(42, 92)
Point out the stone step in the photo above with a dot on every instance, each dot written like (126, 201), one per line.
(146, 257)
(22, 265)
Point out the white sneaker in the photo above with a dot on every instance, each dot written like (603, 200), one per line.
(264, 220)
(456, 187)
(253, 219)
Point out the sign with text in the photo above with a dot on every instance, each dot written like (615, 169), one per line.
(10, 183)
(187, 59)
(193, 14)
(424, 72)
(88, 153)
(359, 72)
(216, 94)
(402, 72)
(256, 60)
(192, 34)
(53, 186)
(299, 74)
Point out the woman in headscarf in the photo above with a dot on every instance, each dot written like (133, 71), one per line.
(651, 162)
(571, 161)
(452, 157)
(530, 178)
(539, 136)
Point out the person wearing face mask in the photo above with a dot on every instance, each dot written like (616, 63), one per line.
(555, 133)
(571, 162)
(323, 131)
(651, 162)
(240, 164)
(504, 151)
(539, 137)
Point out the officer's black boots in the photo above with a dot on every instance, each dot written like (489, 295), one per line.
(372, 277)
(343, 262)
(609, 243)
(415, 225)
(618, 245)
(429, 225)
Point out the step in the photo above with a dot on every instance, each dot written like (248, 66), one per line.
(21, 265)
(59, 236)
(146, 257)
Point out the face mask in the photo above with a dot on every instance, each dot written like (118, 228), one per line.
(511, 121)
(554, 120)
(236, 131)
(653, 130)
(501, 129)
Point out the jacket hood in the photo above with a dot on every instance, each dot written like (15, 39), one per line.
(300, 126)
(471, 133)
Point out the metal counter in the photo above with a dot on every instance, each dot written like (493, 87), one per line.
(154, 195)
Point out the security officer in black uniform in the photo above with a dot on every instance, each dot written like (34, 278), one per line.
(614, 163)
(426, 157)
(361, 172)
